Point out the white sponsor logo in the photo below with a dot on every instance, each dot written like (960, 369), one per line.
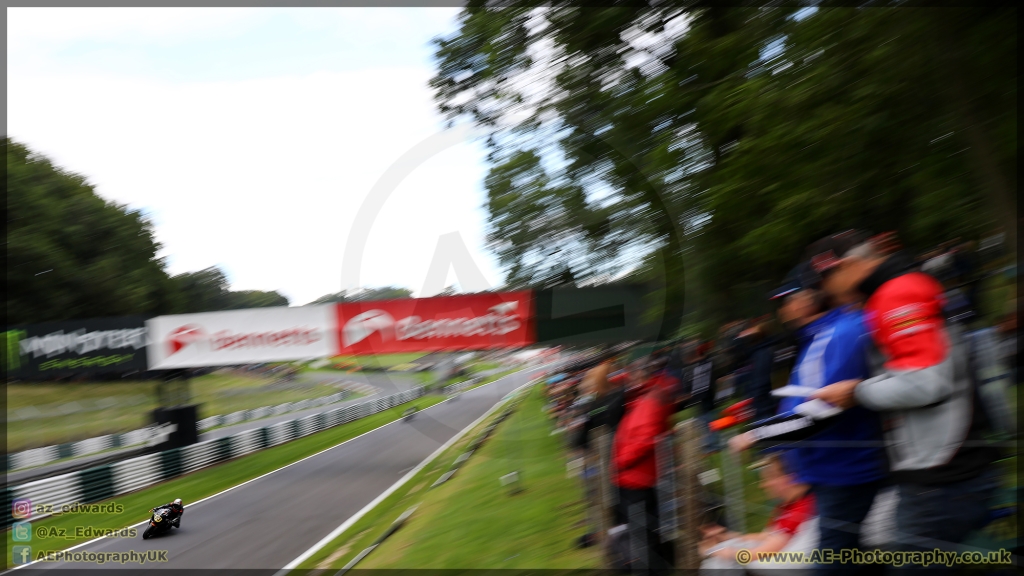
(359, 327)
(227, 340)
(499, 320)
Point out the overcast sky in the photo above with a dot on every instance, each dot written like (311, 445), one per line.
(250, 137)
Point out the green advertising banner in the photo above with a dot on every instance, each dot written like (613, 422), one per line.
(100, 345)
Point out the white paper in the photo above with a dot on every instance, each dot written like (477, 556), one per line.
(817, 409)
(794, 391)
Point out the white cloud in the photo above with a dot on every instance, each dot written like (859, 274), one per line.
(262, 176)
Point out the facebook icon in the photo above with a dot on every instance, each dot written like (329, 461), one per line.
(21, 554)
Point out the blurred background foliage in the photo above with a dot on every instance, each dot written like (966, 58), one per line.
(704, 148)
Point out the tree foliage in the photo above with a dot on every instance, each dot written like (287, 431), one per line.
(208, 290)
(712, 144)
(70, 254)
(365, 295)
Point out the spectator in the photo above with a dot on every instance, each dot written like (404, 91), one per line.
(701, 390)
(939, 459)
(761, 352)
(791, 526)
(843, 460)
(636, 477)
(597, 389)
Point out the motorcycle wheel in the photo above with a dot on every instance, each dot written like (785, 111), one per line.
(147, 533)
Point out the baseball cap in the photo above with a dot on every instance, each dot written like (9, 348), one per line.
(801, 277)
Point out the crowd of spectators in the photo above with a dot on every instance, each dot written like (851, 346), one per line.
(895, 391)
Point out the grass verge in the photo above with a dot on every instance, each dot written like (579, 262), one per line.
(378, 361)
(471, 521)
(209, 481)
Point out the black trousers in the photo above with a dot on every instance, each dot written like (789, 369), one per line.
(638, 510)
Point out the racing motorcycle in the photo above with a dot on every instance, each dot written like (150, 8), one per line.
(159, 523)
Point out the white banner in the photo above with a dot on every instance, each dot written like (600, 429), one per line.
(250, 336)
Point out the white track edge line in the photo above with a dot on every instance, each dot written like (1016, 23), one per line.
(366, 509)
(200, 501)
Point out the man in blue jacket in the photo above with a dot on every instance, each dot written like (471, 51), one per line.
(842, 456)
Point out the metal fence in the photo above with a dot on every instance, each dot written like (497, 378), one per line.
(688, 490)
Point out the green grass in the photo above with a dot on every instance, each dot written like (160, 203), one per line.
(353, 395)
(483, 366)
(378, 361)
(473, 522)
(218, 393)
(209, 481)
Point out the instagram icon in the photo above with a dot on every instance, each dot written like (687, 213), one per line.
(21, 508)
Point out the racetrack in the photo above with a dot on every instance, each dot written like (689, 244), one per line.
(268, 522)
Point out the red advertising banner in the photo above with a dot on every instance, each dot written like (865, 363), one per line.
(470, 322)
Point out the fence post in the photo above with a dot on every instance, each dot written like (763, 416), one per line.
(603, 443)
(595, 483)
(666, 488)
(687, 452)
(735, 499)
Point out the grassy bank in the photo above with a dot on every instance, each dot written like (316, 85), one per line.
(217, 478)
(374, 362)
(472, 521)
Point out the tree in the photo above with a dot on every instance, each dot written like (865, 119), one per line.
(70, 254)
(208, 290)
(634, 141)
(203, 291)
(255, 299)
(365, 294)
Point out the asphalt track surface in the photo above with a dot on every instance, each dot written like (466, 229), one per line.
(385, 383)
(269, 522)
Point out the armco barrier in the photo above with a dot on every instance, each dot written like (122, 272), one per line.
(459, 386)
(109, 480)
(48, 454)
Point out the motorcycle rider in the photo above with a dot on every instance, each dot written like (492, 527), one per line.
(177, 510)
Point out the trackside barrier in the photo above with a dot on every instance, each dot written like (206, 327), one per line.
(109, 480)
(48, 454)
(459, 386)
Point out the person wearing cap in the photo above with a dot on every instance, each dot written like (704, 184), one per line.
(940, 461)
(840, 456)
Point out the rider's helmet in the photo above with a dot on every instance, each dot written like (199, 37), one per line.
(177, 501)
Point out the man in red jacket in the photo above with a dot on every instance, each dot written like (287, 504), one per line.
(636, 474)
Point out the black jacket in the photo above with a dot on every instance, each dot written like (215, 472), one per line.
(175, 510)
(605, 411)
